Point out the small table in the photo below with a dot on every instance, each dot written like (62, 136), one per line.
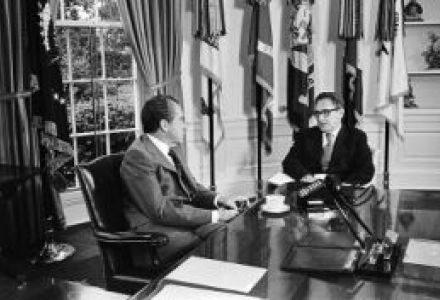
(256, 239)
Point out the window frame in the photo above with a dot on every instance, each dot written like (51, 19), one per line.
(95, 23)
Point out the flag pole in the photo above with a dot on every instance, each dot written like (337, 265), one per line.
(386, 174)
(211, 134)
(259, 144)
(258, 95)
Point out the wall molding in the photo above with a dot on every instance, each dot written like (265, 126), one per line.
(415, 162)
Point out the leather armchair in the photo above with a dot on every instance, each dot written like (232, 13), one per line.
(103, 192)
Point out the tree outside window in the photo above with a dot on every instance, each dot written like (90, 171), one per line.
(99, 78)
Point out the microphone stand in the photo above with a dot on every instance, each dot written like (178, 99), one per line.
(378, 259)
(344, 208)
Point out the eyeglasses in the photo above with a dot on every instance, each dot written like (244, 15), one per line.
(324, 112)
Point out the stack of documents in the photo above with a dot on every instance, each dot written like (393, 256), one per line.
(422, 259)
(217, 274)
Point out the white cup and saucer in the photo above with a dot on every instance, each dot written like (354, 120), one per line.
(274, 204)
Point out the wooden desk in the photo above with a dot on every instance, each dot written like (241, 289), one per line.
(257, 240)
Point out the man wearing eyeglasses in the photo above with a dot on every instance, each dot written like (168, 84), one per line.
(330, 147)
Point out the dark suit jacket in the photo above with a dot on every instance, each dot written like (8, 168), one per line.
(157, 201)
(351, 157)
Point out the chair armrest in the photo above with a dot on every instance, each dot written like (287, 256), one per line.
(153, 239)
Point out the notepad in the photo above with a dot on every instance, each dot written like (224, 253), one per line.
(177, 292)
(218, 274)
(423, 252)
(422, 259)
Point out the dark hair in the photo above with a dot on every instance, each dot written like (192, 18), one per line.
(330, 96)
(156, 109)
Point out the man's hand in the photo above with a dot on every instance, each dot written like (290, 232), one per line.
(225, 215)
(308, 178)
(228, 203)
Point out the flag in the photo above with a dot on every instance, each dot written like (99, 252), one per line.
(209, 21)
(350, 29)
(210, 65)
(350, 19)
(260, 53)
(352, 90)
(393, 82)
(300, 93)
(210, 25)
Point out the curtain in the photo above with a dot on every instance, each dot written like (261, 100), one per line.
(14, 129)
(21, 219)
(153, 28)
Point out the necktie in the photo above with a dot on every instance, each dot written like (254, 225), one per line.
(327, 152)
(181, 175)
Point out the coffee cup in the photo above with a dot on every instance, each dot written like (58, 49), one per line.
(275, 203)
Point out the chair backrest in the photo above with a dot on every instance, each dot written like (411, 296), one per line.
(104, 192)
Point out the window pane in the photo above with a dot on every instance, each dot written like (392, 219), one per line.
(117, 54)
(86, 56)
(121, 141)
(121, 105)
(61, 42)
(79, 9)
(108, 10)
(87, 118)
(90, 147)
(66, 93)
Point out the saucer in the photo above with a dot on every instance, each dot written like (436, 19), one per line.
(277, 210)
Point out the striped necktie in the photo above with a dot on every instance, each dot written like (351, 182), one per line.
(327, 152)
(181, 175)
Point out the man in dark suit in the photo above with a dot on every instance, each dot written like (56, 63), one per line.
(164, 196)
(330, 147)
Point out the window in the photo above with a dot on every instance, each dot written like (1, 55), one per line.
(99, 79)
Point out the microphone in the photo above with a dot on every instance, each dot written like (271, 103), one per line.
(333, 182)
(311, 188)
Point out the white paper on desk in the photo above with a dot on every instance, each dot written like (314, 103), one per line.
(177, 292)
(423, 252)
(280, 179)
(218, 274)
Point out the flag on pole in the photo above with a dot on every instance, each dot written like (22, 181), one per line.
(260, 53)
(209, 21)
(210, 26)
(393, 81)
(300, 91)
(352, 90)
(351, 30)
(210, 65)
(350, 19)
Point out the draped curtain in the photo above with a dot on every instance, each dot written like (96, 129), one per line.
(21, 214)
(153, 28)
(14, 135)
